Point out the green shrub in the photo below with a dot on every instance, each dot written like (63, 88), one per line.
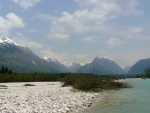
(86, 83)
(89, 82)
(69, 79)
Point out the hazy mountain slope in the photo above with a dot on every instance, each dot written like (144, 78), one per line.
(73, 68)
(139, 67)
(102, 66)
(127, 68)
(57, 65)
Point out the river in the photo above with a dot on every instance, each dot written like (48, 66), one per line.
(128, 100)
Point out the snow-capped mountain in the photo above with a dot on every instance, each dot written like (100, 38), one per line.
(74, 67)
(102, 66)
(5, 41)
(56, 64)
(20, 58)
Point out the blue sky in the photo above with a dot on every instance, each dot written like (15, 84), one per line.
(79, 30)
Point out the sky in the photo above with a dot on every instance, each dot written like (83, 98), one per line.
(79, 30)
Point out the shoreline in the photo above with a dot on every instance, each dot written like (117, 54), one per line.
(95, 102)
(46, 97)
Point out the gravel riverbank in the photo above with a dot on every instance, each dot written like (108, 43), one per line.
(43, 97)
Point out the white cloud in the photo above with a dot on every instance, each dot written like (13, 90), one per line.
(125, 7)
(42, 16)
(32, 30)
(136, 30)
(26, 4)
(48, 53)
(33, 44)
(89, 39)
(136, 33)
(19, 35)
(59, 36)
(113, 42)
(91, 17)
(129, 36)
(11, 21)
(22, 40)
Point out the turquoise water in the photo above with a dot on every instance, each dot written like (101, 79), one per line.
(129, 100)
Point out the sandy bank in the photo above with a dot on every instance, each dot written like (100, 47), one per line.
(44, 97)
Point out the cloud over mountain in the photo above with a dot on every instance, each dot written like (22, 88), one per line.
(26, 4)
(11, 21)
(92, 14)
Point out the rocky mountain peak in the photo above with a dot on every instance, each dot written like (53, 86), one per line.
(5, 40)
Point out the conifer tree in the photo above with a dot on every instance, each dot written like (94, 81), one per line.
(2, 69)
(10, 71)
(5, 70)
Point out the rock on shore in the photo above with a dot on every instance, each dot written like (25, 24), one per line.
(42, 97)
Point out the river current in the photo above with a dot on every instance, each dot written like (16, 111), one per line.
(127, 100)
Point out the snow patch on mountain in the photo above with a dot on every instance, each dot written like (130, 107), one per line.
(33, 62)
(103, 58)
(49, 59)
(6, 40)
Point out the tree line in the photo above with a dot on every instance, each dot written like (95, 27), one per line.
(84, 82)
(5, 70)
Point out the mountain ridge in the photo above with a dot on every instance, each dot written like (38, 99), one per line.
(21, 59)
(139, 67)
(73, 68)
(103, 66)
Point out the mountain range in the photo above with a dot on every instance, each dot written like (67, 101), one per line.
(73, 68)
(22, 60)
